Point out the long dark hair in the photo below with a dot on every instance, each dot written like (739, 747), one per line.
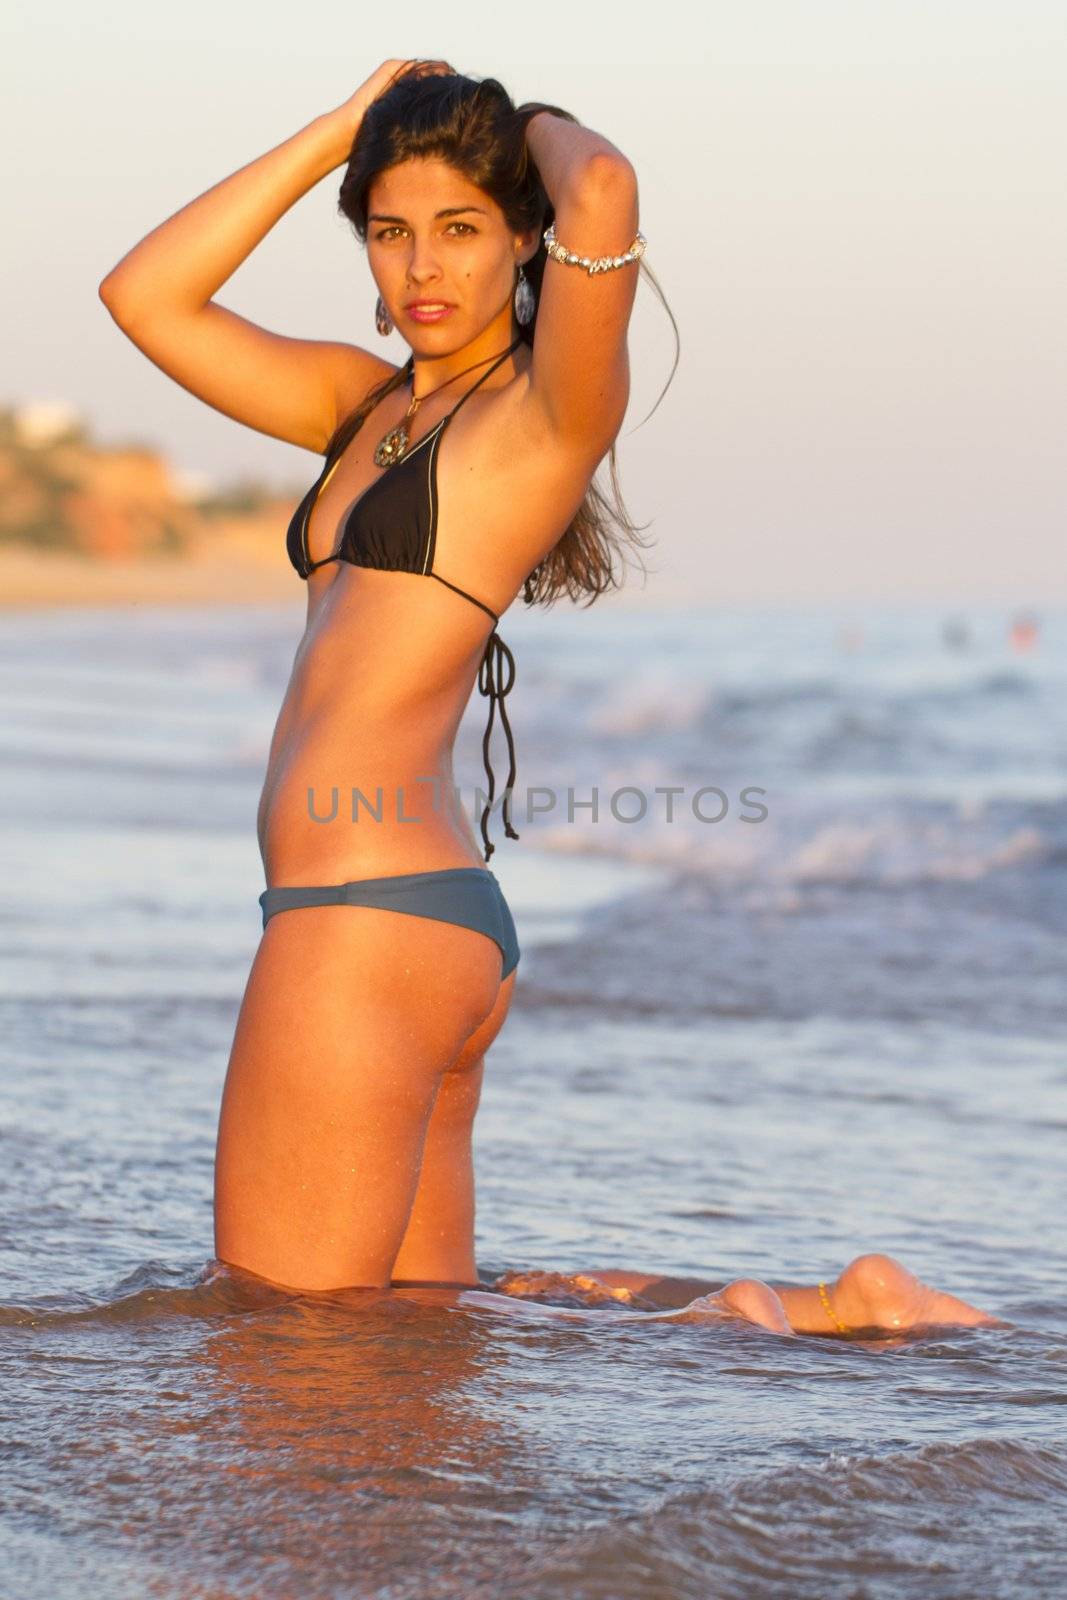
(473, 125)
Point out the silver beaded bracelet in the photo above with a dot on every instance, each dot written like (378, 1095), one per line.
(570, 258)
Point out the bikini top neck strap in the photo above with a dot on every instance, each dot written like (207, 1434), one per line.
(346, 438)
(486, 374)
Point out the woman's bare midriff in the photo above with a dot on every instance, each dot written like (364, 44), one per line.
(380, 682)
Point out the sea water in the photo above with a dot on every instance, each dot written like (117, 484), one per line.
(816, 1009)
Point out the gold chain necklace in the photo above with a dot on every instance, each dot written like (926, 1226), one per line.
(394, 446)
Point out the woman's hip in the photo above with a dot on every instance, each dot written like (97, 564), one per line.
(468, 897)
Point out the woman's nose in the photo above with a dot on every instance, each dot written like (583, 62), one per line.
(422, 263)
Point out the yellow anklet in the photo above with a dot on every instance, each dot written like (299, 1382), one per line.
(825, 1298)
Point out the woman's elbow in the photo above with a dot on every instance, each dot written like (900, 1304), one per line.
(608, 171)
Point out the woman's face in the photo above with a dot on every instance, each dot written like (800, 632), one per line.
(433, 236)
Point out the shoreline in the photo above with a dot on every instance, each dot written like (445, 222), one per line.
(45, 580)
(251, 571)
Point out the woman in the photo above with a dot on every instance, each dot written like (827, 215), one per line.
(344, 1150)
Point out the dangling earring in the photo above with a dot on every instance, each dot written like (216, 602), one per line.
(382, 320)
(525, 301)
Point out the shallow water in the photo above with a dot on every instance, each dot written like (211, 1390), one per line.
(735, 1049)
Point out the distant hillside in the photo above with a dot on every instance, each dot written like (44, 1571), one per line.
(62, 492)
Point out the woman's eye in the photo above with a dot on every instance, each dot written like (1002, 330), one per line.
(386, 233)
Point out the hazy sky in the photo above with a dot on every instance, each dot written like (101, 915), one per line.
(856, 211)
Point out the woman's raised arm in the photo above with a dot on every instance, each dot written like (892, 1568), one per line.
(579, 373)
(160, 293)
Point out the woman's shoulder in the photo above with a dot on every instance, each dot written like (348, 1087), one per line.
(355, 373)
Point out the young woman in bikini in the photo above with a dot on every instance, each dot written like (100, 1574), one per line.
(344, 1149)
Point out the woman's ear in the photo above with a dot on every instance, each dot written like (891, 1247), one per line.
(526, 245)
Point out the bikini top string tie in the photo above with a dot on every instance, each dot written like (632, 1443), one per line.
(495, 678)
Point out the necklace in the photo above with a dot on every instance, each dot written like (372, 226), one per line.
(394, 446)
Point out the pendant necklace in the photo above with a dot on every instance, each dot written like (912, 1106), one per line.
(394, 446)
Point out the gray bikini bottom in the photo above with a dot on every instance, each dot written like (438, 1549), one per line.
(468, 896)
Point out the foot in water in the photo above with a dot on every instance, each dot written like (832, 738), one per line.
(873, 1293)
(744, 1297)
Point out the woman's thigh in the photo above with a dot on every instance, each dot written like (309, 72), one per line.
(438, 1244)
(350, 1017)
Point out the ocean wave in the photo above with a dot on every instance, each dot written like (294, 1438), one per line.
(882, 1526)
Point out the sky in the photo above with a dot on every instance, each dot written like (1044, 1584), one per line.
(856, 212)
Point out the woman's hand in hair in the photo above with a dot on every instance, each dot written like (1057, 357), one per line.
(350, 113)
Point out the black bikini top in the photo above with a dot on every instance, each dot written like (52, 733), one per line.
(392, 527)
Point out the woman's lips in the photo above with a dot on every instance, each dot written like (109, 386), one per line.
(429, 313)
